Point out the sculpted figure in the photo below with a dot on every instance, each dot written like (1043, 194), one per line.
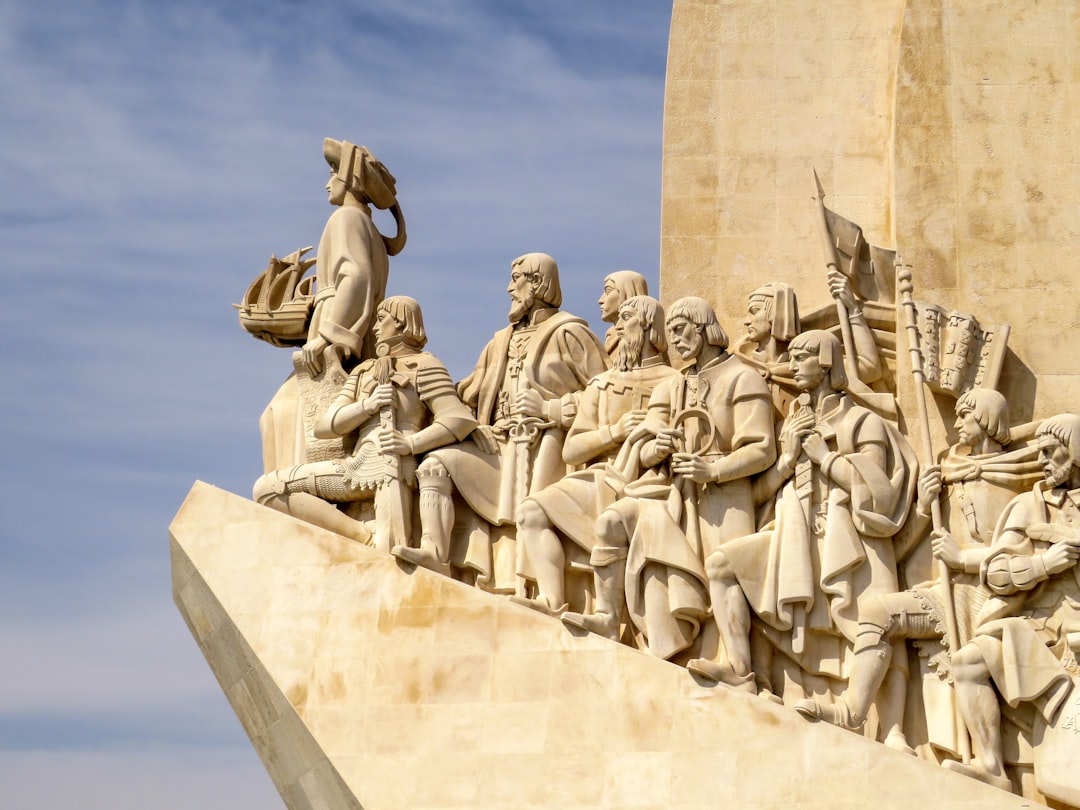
(351, 266)
(351, 270)
(978, 479)
(772, 320)
(846, 478)
(712, 427)
(609, 409)
(398, 405)
(523, 391)
(1030, 625)
(618, 287)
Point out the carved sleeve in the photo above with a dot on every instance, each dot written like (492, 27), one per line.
(753, 444)
(451, 420)
(587, 439)
(347, 413)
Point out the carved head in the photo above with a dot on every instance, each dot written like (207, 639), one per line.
(816, 356)
(982, 412)
(619, 286)
(692, 323)
(640, 319)
(772, 311)
(399, 319)
(1058, 440)
(353, 168)
(534, 278)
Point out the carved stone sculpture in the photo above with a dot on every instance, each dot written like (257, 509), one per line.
(706, 432)
(523, 391)
(394, 408)
(618, 287)
(845, 479)
(351, 269)
(612, 405)
(1024, 645)
(978, 479)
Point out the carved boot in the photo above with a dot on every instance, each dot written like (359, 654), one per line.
(539, 604)
(436, 520)
(724, 674)
(609, 573)
(838, 713)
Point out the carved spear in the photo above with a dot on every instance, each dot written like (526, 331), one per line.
(952, 630)
(832, 262)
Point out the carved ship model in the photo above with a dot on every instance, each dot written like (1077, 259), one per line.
(278, 305)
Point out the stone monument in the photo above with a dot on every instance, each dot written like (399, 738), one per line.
(828, 560)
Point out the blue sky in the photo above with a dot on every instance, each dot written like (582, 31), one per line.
(153, 155)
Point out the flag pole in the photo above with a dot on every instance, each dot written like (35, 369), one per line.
(952, 630)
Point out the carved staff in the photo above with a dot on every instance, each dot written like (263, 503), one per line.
(832, 262)
(903, 280)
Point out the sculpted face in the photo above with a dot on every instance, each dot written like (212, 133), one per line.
(757, 321)
(806, 368)
(386, 326)
(631, 332)
(969, 431)
(686, 337)
(335, 188)
(1055, 459)
(609, 302)
(521, 295)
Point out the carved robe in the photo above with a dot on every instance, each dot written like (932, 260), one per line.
(351, 270)
(1024, 630)
(669, 536)
(829, 548)
(556, 355)
(573, 503)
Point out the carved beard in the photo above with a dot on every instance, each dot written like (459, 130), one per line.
(519, 309)
(628, 352)
(1058, 475)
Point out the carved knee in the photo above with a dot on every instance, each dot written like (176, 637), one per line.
(268, 488)
(718, 568)
(532, 516)
(610, 529)
(968, 663)
(433, 475)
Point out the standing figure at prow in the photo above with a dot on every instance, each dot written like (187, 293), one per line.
(708, 429)
(1025, 645)
(846, 478)
(978, 479)
(618, 287)
(610, 408)
(351, 269)
(523, 390)
(398, 406)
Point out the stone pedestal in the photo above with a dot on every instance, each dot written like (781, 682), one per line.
(363, 684)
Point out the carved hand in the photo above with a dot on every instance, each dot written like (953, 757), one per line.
(528, 403)
(795, 429)
(381, 397)
(840, 288)
(693, 467)
(667, 441)
(484, 438)
(313, 354)
(946, 549)
(394, 441)
(1060, 557)
(929, 488)
(627, 422)
(814, 446)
